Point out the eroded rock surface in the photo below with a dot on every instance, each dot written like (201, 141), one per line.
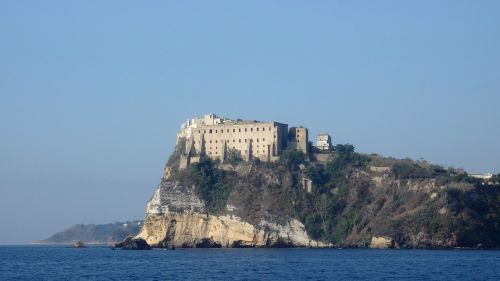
(176, 217)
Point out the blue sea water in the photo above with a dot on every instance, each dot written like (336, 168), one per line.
(101, 263)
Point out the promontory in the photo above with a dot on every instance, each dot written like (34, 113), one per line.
(245, 183)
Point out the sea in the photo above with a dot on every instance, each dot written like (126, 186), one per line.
(102, 263)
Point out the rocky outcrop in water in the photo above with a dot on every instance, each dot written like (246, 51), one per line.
(131, 243)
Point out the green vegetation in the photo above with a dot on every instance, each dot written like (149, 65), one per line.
(291, 159)
(346, 208)
(407, 169)
(233, 157)
(211, 183)
(324, 212)
(479, 204)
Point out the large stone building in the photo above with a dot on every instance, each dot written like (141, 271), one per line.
(216, 136)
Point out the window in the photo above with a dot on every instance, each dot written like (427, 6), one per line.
(245, 129)
(263, 129)
(239, 130)
(263, 139)
(257, 129)
(210, 141)
(216, 141)
(245, 140)
(234, 140)
(234, 147)
(228, 130)
(215, 131)
(251, 129)
(257, 139)
(234, 130)
(204, 131)
(216, 152)
(240, 140)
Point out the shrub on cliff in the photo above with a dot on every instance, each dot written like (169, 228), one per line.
(291, 159)
(325, 212)
(409, 169)
(234, 157)
(337, 169)
(211, 183)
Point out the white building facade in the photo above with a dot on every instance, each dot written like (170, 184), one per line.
(324, 142)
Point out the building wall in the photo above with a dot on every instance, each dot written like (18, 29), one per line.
(380, 169)
(324, 142)
(253, 140)
(214, 136)
(322, 157)
(298, 138)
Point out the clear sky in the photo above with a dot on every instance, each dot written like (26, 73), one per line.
(93, 92)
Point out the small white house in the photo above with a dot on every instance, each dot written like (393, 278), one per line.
(324, 142)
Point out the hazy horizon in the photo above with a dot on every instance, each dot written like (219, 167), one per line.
(92, 93)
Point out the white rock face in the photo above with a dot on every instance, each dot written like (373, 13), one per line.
(173, 197)
(176, 217)
(381, 242)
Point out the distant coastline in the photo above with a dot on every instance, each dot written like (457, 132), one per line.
(93, 234)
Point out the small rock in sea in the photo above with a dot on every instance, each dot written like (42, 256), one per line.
(78, 244)
(131, 243)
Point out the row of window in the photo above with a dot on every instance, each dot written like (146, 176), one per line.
(234, 147)
(246, 151)
(257, 140)
(210, 131)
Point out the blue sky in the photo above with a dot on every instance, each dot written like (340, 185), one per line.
(93, 92)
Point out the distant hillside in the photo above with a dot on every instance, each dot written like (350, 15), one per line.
(96, 233)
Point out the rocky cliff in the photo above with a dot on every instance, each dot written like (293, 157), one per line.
(347, 200)
(177, 217)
